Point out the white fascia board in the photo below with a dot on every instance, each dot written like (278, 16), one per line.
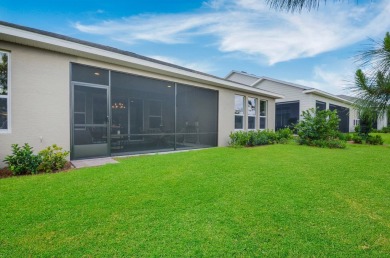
(65, 46)
(327, 95)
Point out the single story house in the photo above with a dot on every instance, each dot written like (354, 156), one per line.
(99, 101)
(298, 98)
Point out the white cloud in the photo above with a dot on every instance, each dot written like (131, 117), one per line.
(250, 27)
(336, 79)
(198, 66)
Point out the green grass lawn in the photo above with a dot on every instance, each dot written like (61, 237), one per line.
(279, 200)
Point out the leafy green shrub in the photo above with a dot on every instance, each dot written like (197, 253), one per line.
(357, 139)
(374, 140)
(357, 129)
(345, 136)
(283, 135)
(367, 118)
(271, 136)
(22, 160)
(264, 138)
(238, 138)
(386, 129)
(283, 141)
(53, 158)
(333, 144)
(253, 138)
(320, 128)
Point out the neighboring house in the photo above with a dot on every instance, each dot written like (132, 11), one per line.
(298, 98)
(99, 101)
(379, 123)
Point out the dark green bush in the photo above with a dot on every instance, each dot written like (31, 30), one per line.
(283, 141)
(356, 138)
(345, 136)
(374, 140)
(385, 129)
(320, 128)
(53, 158)
(253, 138)
(22, 160)
(333, 143)
(367, 118)
(238, 138)
(283, 135)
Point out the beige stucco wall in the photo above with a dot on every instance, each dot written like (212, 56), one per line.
(39, 94)
(226, 114)
(40, 98)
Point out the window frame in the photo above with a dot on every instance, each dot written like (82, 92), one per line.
(255, 115)
(243, 111)
(320, 103)
(266, 114)
(8, 96)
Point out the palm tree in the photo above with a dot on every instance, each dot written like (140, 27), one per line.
(372, 86)
(295, 5)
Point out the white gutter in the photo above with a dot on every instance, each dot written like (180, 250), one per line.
(35, 39)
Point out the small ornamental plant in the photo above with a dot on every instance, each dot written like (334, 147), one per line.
(53, 158)
(23, 161)
(320, 128)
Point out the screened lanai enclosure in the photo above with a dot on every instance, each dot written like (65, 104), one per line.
(115, 113)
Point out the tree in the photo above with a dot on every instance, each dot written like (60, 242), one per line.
(319, 128)
(4, 75)
(296, 5)
(372, 86)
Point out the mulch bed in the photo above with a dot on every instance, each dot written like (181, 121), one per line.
(5, 172)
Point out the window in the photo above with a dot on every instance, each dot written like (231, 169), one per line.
(252, 113)
(238, 112)
(263, 114)
(4, 93)
(287, 114)
(320, 105)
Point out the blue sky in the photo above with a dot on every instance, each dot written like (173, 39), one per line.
(314, 48)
